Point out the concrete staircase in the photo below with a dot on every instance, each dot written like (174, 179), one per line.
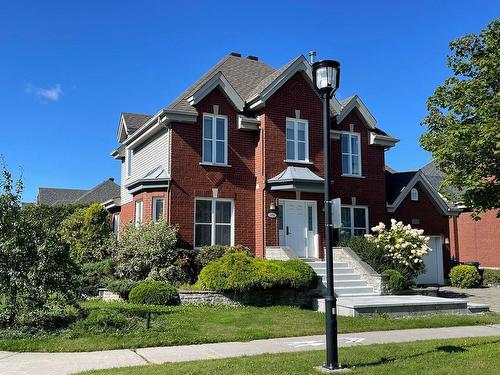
(348, 282)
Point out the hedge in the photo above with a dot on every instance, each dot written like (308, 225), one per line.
(491, 277)
(240, 272)
(465, 277)
(151, 292)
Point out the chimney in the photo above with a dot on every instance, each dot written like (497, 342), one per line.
(111, 179)
(235, 54)
(251, 57)
(312, 55)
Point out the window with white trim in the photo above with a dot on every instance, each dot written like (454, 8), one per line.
(213, 222)
(128, 157)
(351, 154)
(414, 194)
(214, 139)
(354, 221)
(138, 213)
(297, 140)
(158, 209)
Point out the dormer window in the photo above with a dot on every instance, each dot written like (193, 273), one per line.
(297, 140)
(414, 194)
(351, 154)
(128, 157)
(214, 139)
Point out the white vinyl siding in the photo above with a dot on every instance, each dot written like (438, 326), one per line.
(148, 156)
(351, 154)
(297, 140)
(214, 139)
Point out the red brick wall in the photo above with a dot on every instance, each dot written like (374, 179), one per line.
(127, 214)
(431, 220)
(476, 240)
(190, 179)
(370, 190)
(296, 94)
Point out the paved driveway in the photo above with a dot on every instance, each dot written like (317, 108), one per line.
(490, 296)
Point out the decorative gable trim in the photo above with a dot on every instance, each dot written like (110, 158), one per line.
(122, 129)
(300, 64)
(438, 200)
(217, 80)
(357, 103)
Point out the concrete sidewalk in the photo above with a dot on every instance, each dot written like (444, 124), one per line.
(68, 363)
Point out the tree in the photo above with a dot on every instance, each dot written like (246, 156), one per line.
(463, 121)
(88, 233)
(35, 268)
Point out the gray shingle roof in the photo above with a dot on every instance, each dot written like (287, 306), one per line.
(436, 176)
(134, 121)
(101, 193)
(54, 196)
(395, 182)
(243, 74)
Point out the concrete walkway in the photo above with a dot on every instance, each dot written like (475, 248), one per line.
(490, 296)
(68, 363)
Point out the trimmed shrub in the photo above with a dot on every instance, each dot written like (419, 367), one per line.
(465, 277)
(239, 272)
(491, 277)
(95, 276)
(396, 280)
(122, 287)
(151, 292)
(210, 253)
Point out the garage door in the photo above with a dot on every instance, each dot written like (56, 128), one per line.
(433, 261)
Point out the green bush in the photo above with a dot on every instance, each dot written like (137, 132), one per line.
(465, 277)
(54, 315)
(210, 253)
(95, 276)
(491, 277)
(88, 233)
(369, 252)
(396, 280)
(184, 270)
(151, 292)
(239, 272)
(122, 287)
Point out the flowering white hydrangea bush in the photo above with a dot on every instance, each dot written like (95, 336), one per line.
(403, 244)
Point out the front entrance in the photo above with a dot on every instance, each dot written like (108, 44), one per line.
(433, 261)
(298, 227)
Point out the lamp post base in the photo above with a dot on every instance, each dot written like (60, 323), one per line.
(327, 370)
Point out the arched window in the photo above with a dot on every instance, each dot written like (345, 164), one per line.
(414, 194)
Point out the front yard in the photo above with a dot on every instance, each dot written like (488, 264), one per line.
(122, 325)
(464, 356)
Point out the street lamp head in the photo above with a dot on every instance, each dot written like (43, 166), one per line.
(326, 76)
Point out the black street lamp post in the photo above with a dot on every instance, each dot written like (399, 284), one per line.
(326, 75)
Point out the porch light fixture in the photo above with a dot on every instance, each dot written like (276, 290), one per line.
(326, 77)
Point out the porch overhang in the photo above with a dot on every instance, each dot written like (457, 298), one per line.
(296, 179)
(157, 179)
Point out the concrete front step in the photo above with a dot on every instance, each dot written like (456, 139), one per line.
(398, 305)
(322, 264)
(340, 291)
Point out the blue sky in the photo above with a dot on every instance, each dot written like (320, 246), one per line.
(68, 69)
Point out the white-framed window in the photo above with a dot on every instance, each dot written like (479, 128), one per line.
(414, 194)
(351, 154)
(128, 161)
(213, 222)
(297, 140)
(214, 139)
(138, 213)
(354, 221)
(158, 209)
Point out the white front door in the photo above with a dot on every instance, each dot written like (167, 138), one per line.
(433, 261)
(298, 227)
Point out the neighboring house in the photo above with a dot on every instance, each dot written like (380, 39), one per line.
(101, 193)
(470, 240)
(238, 159)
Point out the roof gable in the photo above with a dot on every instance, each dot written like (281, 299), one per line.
(218, 80)
(103, 192)
(130, 123)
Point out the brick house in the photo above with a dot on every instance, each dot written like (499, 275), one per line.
(237, 159)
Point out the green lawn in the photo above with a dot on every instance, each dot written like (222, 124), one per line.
(122, 325)
(458, 356)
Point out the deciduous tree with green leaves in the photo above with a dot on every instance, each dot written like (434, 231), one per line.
(463, 123)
